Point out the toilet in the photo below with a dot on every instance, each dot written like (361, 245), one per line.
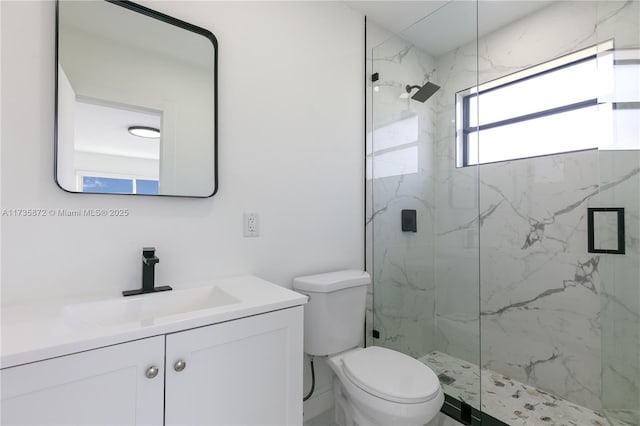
(374, 385)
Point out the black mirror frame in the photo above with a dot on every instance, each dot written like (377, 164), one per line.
(169, 20)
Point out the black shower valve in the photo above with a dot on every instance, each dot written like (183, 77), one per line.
(409, 221)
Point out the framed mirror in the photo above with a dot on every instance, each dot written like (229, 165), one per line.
(136, 101)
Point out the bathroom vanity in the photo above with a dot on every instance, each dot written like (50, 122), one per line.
(221, 354)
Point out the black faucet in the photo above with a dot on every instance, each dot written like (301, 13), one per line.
(149, 260)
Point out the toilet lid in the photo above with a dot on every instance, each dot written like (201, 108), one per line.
(391, 375)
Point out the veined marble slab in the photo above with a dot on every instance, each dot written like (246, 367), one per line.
(623, 417)
(508, 400)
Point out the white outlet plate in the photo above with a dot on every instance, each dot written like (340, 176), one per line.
(250, 225)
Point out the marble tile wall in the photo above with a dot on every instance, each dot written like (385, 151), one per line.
(553, 316)
(540, 289)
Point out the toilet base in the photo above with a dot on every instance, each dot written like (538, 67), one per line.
(343, 416)
(347, 414)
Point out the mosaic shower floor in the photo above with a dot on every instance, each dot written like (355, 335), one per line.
(510, 401)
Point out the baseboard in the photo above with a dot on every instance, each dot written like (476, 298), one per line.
(320, 401)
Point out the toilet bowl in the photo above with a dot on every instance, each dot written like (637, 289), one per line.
(372, 386)
(379, 386)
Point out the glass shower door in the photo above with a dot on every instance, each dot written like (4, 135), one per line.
(620, 190)
(539, 288)
(559, 154)
(620, 276)
(489, 198)
(424, 205)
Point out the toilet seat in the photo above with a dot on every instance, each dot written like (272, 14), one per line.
(391, 375)
(366, 408)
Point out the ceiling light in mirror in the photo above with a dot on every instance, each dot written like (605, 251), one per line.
(144, 132)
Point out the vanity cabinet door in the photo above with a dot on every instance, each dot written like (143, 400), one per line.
(242, 372)
(107, 386)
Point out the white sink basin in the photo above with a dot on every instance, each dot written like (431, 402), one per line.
(35, 331)
(145, 309)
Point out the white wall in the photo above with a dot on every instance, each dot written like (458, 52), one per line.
(290, 142)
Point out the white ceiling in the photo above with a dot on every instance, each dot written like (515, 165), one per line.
(438, 26)
(102, 129)
(395, 16)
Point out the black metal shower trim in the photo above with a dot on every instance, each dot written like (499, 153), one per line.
(408, 220)
(591, 232)
(364, 167)
(467, 415)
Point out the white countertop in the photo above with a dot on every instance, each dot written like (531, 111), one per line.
(33, 332)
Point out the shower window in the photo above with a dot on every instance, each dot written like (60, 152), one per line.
(558, 114)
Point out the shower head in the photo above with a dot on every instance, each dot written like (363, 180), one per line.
(424, 92)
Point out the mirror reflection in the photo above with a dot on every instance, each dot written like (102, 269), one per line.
(136, 102)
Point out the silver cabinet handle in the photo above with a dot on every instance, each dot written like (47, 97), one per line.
(179, 365)
(151, 372)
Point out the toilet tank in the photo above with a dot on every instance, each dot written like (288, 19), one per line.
(334, 315)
